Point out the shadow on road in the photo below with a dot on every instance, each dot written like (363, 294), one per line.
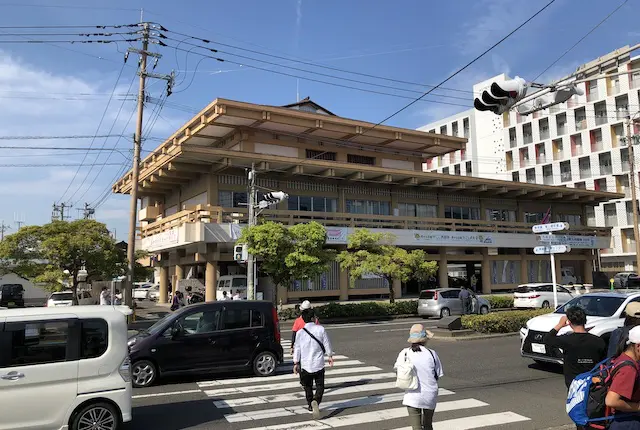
(183, 415)
(547, 367)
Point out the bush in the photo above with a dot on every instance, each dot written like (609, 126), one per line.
(500, 322)
(500, 302)
(357, 310)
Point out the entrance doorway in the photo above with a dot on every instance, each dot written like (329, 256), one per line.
(465, 274)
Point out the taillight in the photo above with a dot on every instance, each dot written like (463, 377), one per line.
(125, 369)
(535, 296)
(276, 324)
(435, 295)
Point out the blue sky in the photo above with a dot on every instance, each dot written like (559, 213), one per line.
(50, 91)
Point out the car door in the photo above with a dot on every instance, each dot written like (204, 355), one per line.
(453, 301)
(237, 340)
(191, 343)
(38, 371)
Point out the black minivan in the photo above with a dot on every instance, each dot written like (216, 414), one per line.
(211, 337)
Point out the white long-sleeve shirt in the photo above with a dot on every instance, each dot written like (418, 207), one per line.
(307, 352)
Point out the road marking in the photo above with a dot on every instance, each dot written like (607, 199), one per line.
(407, 322)
(335, 357)
(292, 397)
(289, 364)
(223, 382)
(476, 422)
(171, 393)
(295, 384)
(393, 329)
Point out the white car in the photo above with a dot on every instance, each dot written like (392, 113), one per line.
(154, 293)
(605, 313)
(65, 298)
(141, 290)
(65, 368)
(539, 296)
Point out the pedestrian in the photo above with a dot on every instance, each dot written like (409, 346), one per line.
(308, 360)
(623, 396)
(632, 319)
(105, 299)
(581, 350)
(299, 323)
(117, 300)
(224, 295)
(237, 296)
(421, 402)
(175, 301)
(465, 299)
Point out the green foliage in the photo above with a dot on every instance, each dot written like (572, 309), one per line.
(357, 310)
(500, 322)
(500, 302)
(141, 272)
(289, 254)
(374, 253)
(57, 251)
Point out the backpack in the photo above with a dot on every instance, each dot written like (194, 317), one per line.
(406, 378)
(586, 399)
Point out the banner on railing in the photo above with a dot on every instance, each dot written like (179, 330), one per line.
(169, 237)
(450, 238)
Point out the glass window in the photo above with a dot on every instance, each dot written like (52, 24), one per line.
(292, 203)
(500, 215)
(38, 342)
(94, 338)
(225, 199)
(505, 272)
(318, 204)
(427, 211)
(239, 282)
(369, 207)
(452, 294)
(594, 306)
(236, 318)
(461, 212)
(199, 322)
(533, 217)
(332, 205)
(257, 320)
(305, 203)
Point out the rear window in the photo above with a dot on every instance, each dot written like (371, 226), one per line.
(239, 283)
(531, 288)
(427, 295)
(12, 289)
(62, 296)
(95, 340)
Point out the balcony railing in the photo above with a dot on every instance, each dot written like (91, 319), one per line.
(548, 180)
(565, 176)
(593, 95)
(527, 138)
(541, 159)
(622, 113)
(513, 143)
(215, 214)
(561, 129)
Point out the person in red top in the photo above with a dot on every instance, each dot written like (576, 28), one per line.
(299, 323)
(624, 393)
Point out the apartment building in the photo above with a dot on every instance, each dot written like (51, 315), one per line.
(193, 191)
(576, 144)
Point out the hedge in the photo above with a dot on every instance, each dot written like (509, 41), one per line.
(365, 309)
(500, 322)
(500, 302)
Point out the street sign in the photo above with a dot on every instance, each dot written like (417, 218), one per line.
(553, 249)
(548, 228)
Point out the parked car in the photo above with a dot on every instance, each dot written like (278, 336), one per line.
(442, 302)
(62, 298)
(620, 280)
(208, 338)
(540, 295)
(231, 284)
(154, 293)
(62, 368)
(12, 296)
(605, 313)
(141, 290)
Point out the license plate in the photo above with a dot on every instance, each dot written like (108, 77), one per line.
(538, 348)
(11, 303)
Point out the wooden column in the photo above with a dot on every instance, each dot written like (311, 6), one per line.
(443, 270)
(164, 284)
(210, 280)
(486, 272)
(179, 276)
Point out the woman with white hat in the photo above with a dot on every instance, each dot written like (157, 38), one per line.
(421, 395)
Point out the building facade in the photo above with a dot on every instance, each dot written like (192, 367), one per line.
(577, 144)
(346, 175)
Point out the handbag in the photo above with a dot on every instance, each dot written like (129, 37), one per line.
(406, 378)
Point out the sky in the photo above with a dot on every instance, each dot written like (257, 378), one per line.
(62, 90)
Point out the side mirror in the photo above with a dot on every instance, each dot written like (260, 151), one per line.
(176, 331)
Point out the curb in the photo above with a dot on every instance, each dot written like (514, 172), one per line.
(475, 337)
(346, 320)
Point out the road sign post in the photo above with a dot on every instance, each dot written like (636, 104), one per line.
(552, 249)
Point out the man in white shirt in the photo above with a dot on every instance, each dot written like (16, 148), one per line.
(105, 298)
(312, 343)
(237, 296)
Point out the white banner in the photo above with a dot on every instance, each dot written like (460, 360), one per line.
(161, 240)
(452, 238)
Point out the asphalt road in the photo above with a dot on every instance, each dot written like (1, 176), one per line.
(486, 385)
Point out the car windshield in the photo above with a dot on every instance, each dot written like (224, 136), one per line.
(11, 289)
(161, 323)
(239, 283)
(594, 306)
(62, 296)
(528, 288)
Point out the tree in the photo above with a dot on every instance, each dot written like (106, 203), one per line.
(141, 272)
(78, 250)
(288, 253)
(374, 253)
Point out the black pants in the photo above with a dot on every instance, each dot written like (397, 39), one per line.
(307, 379)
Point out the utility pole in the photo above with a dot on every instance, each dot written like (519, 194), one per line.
(62, 215)
(632, 184)
(3, 227)
(251, 275)
(137, 144)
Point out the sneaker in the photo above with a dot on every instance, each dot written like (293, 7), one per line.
(315, 409)
(310, 408)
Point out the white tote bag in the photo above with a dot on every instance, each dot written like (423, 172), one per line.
(406, 378)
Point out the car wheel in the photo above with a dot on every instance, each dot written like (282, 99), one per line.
(143, 373)
(546, 305)
(96, 416)
(445, 312)
(265, 364)
(484, 310)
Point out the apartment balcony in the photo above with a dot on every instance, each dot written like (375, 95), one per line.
(597, 145)
(593, 96)
(541, 159)
(527, 138)
(635, 83)
(513, 143)
(626, 166)
(622, 114)
(565, 176)
(585, 174)
(466, 133)
(219, 215)
(561, 129)
(150, 213)
(544, 134)
(548, 180)
(614, 89)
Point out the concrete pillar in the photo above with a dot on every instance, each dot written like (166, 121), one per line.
(164, 284)
(443, 270)
(397, 289)
(179, 276)
(486, 273)
(210, 281)
(588, 271)
(344, 285)
(524, 267)
(558, 269)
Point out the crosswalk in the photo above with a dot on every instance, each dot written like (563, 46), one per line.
(356, 396)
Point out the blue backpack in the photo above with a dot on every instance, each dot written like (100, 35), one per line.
(586, 399)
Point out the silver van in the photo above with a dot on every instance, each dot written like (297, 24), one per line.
(442, 302)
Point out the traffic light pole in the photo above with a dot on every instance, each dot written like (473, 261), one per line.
(632, 184)
(251, 273)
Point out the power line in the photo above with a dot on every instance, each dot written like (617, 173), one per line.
(79, 165)
(581, 39)
(16, 27)
(4, 34)
(57, 137)
(98, 41)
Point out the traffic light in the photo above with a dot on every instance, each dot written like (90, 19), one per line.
(272, 198)
(500, 97)
(552, 98)
(241, 253)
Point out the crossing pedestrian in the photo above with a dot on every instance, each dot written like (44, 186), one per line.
(312, 344)
(623, 396)
(581, 349)
(465, 298)
(632, 319)
(421, 402)
(299, 322)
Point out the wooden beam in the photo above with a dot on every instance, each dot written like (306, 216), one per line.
(151, 193)
(384, 178)
(165, 173)
(537, 194)
(573, 197)
(500, 190)
(437, 183)
(262, 165)
(221, 165)
(148, 184)
(481, 188)
(296, 170)
(409, 181)
(556, 196)
(355, 176)
(329, 173)
(190, 167)
(155, 179)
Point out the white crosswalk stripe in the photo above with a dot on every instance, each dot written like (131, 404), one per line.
(355, 394)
